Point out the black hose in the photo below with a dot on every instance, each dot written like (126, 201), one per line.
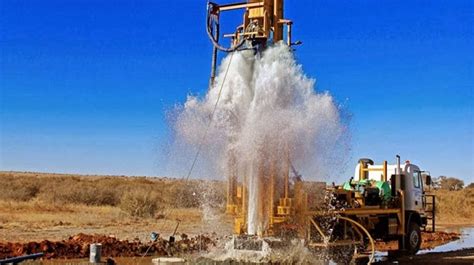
(214, 39)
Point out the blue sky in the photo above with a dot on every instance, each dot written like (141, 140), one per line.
(85, 84)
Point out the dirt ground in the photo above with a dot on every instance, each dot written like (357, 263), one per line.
(33, 223)
(44, 217)
(25, 222)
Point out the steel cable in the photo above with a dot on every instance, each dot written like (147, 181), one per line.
(202, 139)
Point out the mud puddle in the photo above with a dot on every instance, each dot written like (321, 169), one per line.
(465, 241)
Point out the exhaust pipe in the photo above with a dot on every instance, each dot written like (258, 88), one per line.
(399, 169)
(396, 180)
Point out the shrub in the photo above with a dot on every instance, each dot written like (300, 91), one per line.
(91, 195)
(140, 203)
(81, 192)
(184, 195)
(16, 189)
(26, 192)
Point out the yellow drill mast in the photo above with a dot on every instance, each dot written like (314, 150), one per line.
(263, 23)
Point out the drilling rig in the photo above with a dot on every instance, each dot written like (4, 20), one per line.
(380, 202)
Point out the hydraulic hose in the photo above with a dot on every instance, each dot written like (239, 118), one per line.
(214, 39)
(371, 240)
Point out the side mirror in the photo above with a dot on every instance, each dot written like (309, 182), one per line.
(428, 180)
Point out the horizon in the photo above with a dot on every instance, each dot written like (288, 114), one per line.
(86, 85)
(465, 185)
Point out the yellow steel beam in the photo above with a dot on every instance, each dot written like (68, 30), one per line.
(355, 211)
(401, 216)
(320, 231)
(336, 243)
(362, 211)
(239, 6)
(285, 21)
(373, 169)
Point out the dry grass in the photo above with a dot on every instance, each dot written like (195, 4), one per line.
(55, 206)
(106, 190)
(455, 207)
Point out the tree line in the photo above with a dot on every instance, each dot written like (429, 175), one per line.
(450, 183)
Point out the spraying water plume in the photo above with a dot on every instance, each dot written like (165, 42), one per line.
(268, 114)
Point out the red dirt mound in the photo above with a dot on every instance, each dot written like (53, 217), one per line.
(78, 247)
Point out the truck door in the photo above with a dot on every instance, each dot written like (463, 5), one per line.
(417, 191)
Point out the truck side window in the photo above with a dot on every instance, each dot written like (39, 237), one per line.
(416, 179)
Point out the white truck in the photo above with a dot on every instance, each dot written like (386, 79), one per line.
(389, 201)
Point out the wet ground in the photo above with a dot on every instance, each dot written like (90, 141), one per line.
(466, 240)
(463, 256)
(459, 251)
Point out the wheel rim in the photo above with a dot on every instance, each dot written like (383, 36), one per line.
(414, 238)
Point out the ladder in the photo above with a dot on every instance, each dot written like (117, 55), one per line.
(430, 210)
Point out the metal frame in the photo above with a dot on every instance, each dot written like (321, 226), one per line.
(363, 169)
(352, 215)
(326, 239)
(235, 6)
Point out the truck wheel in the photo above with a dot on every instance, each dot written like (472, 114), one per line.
(412, 239)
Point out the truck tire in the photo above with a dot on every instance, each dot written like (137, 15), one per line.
(412, 239)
